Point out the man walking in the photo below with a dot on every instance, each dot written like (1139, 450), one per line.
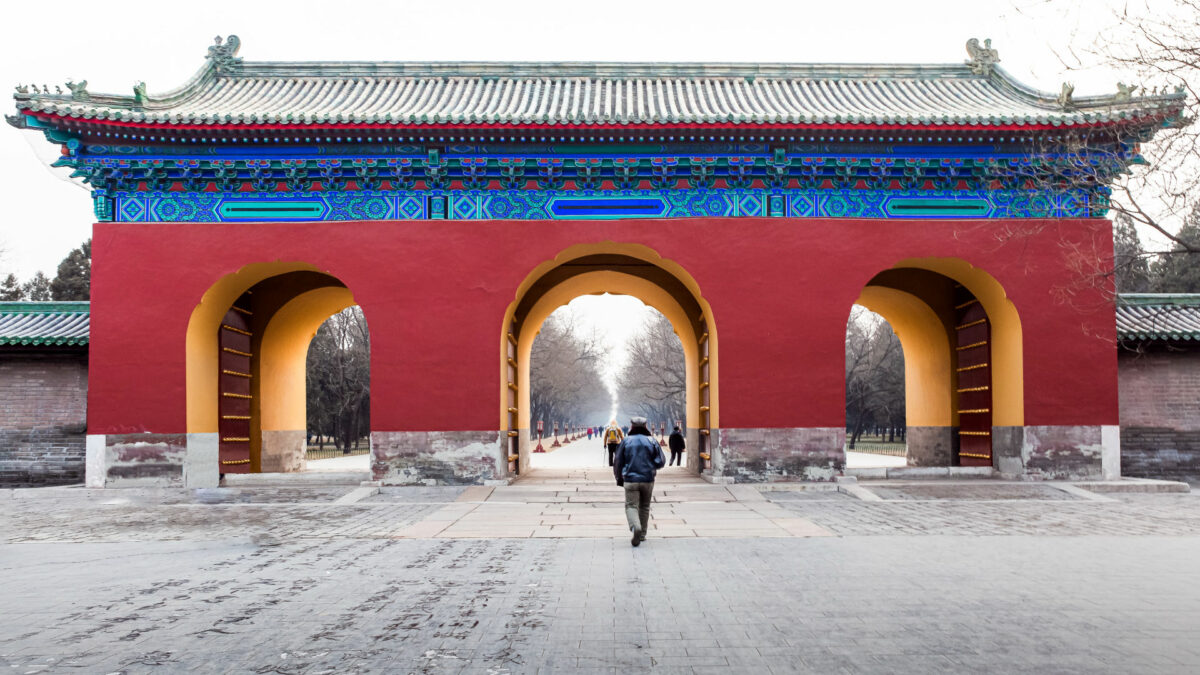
(612, 438)
(677, 445)
(638, 460)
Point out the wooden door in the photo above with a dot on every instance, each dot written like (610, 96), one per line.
(705, 430)
(513, 446)
(974, 370)
(234, 407)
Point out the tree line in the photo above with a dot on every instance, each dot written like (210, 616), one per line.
(1176, 270)
(874, 378)
(339, 381)
(567, 385)
(653, 381)
(72, 281)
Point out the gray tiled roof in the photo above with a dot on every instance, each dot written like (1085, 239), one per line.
(44, 324)
(230, 91)
(1158, 316)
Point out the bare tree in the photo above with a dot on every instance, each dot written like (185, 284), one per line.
(1152, 44)
(564, 374)
(653, 382)
(339, 379)
(874, 376)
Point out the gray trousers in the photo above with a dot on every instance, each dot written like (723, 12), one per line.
(637, 505)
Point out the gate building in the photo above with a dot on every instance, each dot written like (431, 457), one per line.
(460, 203)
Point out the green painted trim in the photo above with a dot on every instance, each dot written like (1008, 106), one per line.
(42, 342)
(1146, 299)
(51, 307)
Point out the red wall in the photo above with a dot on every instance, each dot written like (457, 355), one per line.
(435, 293)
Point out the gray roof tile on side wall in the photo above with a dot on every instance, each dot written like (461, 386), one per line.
(44, 324)
(1158, 316)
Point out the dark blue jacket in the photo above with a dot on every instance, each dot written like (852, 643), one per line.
(638, 459)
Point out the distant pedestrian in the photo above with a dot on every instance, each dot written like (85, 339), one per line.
(612, 438)
(677, 445)
(638, 460)
(589, 433)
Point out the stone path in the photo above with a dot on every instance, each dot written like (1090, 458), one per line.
(978, 576)
(585, 502)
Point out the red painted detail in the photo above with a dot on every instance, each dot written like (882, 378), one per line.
(426, 128)
(435, 295)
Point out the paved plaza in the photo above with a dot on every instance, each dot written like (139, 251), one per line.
(539, 577)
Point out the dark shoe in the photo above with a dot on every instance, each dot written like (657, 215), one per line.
(637, 537)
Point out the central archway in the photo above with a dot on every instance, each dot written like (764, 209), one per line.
(621, 269)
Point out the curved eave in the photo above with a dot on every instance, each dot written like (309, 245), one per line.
(1156, 118)
(43, 342)
(1158, 337)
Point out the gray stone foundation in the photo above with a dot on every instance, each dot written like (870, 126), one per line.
(437, 457)
(1160, 452)
(1007, 446)
(769, 455)
(1062, 452)
(283, 451)
(136, 460)
(47, 455)
(931, 446)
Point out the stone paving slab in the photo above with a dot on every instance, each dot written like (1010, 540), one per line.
(974, 491)
(893, 604)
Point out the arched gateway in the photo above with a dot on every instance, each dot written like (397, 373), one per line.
(456, 198)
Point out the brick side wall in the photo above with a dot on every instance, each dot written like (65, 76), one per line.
(43, 416)
(1160, 413)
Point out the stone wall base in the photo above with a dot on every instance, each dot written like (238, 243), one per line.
(438, 457)
(1057, 452)
(43, 455)
(283, 451)
(136, 460)
(787, 454)
(1160, 452)
(931, 446)
(1088, 452)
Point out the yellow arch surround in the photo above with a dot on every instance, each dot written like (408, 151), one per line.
(202, 353)
(1008, 361)
(591, 283)
(927, 368)
(285, 341)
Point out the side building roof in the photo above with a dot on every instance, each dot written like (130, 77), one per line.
(1159, 317)
(229, 91)
(44, 324)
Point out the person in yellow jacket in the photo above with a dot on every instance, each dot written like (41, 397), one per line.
(611, 438)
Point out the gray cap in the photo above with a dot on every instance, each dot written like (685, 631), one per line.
(637, 421)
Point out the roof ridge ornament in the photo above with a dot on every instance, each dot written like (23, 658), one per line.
(79, 90)
(983, 58)
(1065, 97)
(1124, 92)
(223, 54)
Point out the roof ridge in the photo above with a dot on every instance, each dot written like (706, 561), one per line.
(1142, 299)
(224, 91)
(45, 306)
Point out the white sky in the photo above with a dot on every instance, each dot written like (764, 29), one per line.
(115, 43)
(613, 319)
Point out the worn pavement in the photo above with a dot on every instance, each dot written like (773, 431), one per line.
(977, 576)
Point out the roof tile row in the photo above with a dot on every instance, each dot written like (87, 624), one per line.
(44, 323)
